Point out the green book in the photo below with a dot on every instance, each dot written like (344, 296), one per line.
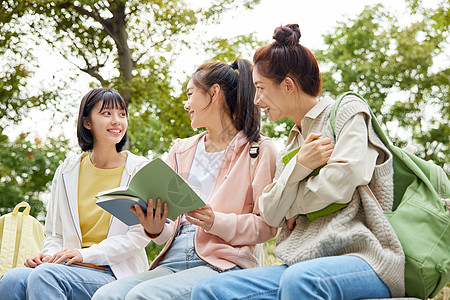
(155, 180)
(333, 207)
(291, 155)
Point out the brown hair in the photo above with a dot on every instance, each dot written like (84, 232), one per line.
(110, 99)
(286, 57)
(236, 81)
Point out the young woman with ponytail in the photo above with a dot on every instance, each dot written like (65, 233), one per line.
(348, 253)
(222, 235)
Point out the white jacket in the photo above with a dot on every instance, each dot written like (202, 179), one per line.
(122, 250)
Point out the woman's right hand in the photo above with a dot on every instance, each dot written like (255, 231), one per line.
(152, 220)
(315, 151)
(33, 262)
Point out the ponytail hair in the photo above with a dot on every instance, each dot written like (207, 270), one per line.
(236, 82)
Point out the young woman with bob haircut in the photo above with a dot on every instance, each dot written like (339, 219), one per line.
(84, 247)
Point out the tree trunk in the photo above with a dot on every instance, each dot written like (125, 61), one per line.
(118, 28)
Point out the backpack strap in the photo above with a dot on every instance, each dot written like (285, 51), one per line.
(375, 124)
(253, 151)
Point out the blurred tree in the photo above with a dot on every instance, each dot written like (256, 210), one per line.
(403, 72)
(27, 169)
(128, 45)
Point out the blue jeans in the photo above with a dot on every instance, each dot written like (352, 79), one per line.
(53, 281)
(174, 277)
(334, 278)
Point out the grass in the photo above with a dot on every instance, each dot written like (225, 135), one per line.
(444, 294)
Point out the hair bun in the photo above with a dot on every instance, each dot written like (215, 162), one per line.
(288, 35)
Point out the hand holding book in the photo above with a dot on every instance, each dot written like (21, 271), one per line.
(333, 207)
(155, 180)
(153, 222)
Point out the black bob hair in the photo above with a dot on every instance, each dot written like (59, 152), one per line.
(110, 99)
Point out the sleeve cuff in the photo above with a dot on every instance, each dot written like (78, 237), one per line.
(164, 235)
(298, 172)
(223, 226)
(293, 211)
(86, 254)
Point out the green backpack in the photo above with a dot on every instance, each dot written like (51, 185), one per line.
(419, 216)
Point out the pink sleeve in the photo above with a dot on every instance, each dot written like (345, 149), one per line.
(250, 228)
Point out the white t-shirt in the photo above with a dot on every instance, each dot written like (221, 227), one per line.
(204, 169)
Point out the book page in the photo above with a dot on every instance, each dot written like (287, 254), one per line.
(157, 180)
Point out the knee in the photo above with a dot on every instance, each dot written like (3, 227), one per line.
(139, 292)
(299, 279)
(117, 289)
(149, 290)
(14, 283)
(14, 277)
(104, 292)
(206, 289)
(42, 272)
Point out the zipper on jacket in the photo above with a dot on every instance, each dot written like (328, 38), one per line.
(71, 215)
(176, 163)
(195, 234)
(201, 258)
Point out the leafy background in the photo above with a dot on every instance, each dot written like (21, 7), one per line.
(402, 68)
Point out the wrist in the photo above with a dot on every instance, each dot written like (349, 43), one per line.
(152, 235)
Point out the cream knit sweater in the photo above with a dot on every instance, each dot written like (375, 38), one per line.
(360, 229)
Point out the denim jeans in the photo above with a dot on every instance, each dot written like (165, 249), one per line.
(53, 281)
(334, 278)
(174, 277)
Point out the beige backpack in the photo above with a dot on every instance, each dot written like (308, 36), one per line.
(21, 237)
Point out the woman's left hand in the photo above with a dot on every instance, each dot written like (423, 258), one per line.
(71, 255)
(290, 223)
(315, 152)
(203, 217)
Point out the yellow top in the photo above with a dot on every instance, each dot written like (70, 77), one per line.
(94, 221)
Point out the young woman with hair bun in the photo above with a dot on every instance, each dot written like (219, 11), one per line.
(351, 252)
(222, 235)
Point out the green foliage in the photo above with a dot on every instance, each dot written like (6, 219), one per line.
(153, 250)
(228, 49)
(27, 169)
(376, 57)
(270, 259)
(11, 83)
(16, 64)
(278, 129)
(402, 71)
(127, 45)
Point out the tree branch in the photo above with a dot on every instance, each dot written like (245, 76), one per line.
(83, 11)
(105, 23)
(93, 71)
(154, 45)
(132, 11)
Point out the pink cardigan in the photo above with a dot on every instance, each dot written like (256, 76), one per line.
(238, 225)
